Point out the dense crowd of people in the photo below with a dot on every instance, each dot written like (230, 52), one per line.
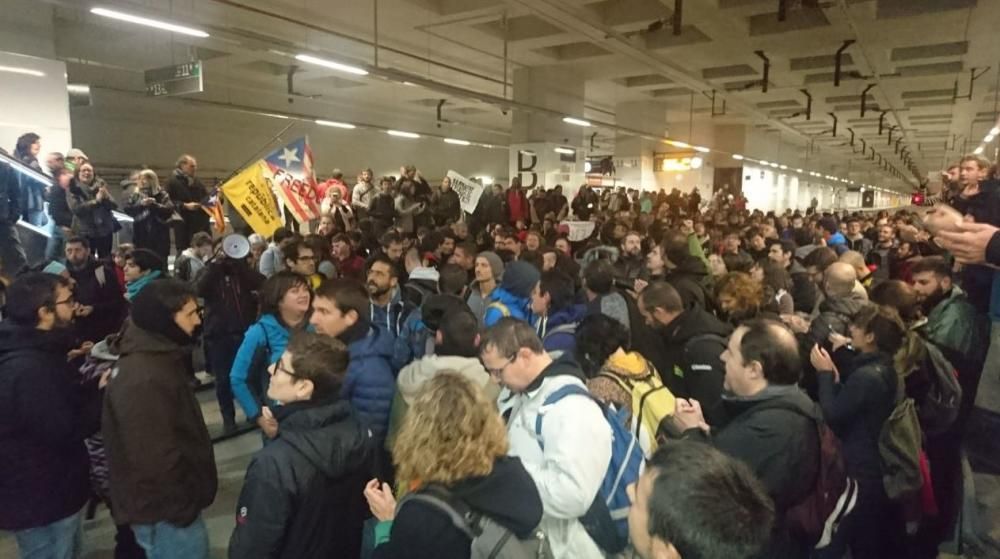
(688, 378)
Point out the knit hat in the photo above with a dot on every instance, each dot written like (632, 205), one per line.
(520, 278)
(496, 263)
(55, 268)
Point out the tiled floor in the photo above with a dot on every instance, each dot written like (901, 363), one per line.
(231, 456)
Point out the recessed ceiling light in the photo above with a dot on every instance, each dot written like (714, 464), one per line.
(149, 22)
(24, 71)
(576, 121)
(331, 64)
(336, 124)
(457, 142)
(401, 134)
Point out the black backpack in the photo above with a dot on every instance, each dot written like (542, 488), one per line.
(938, 408)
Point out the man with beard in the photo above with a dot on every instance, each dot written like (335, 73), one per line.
(881, 253)
(630, 262)
(45, 415)
(804, 292)
(187, 194)
(686, 272)
(953, 324)
(388, 310)
(101, 307)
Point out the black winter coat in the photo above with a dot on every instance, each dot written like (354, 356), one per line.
(780, 445)
(303, 495)
(857, 407)
(59, 205)
(97, 286)
(183, 189)
(229, 289)
(804, 291)
(446, 207)
(690, 361)
(44, 417)
(91, 218)
(10, 193)
(507, 495)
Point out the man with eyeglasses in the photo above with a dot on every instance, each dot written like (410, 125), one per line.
(44, 418)
(301, 259)
(570, 463)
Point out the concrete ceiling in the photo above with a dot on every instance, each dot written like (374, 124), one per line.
(910, 56)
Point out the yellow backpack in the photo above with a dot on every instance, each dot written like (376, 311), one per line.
(651, 403)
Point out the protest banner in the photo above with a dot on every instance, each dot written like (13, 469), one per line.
(468, 191)
(250, 192)
(579, 230)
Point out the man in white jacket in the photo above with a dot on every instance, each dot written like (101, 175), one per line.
(570, 469)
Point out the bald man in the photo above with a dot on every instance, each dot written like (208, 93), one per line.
(772, 426)
(865, 276)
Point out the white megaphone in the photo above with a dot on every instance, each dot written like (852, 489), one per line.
(235, 246)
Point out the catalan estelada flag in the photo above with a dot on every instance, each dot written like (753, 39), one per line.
(294, 180)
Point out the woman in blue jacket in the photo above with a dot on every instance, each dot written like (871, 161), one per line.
(285, 300)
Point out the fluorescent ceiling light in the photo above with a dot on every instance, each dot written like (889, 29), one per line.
(457, 142)
(78, 88)
(25, 71)
(275, 115)
(783, 167)
(764, 163)
(331, 64)
(775, 165)
(677, 144)
(402, 134)
(336, 124)
(149, 22)
(527, 152)
(994, 131)
(576, 121)
(979, 150)
(411, 84)
(702, 149)
(565, 151)
(487, 180)
(798, 170)
(737, 157)
(988, 138)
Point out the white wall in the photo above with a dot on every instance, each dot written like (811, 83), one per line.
(31, 103)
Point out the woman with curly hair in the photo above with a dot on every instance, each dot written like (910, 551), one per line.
(452, 448)
(739, 297)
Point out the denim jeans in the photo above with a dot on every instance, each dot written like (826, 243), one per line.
(59, 540)
(168, 541)
(220, 352)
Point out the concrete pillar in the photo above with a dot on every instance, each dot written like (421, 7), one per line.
(535, 137)
(634, 155)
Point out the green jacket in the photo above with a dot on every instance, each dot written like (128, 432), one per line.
(954, 324)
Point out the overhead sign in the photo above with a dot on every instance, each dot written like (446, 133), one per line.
(175, 80)
(468, 191)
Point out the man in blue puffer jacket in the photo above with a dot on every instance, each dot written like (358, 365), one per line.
(554, 312)
(341, 309)
(513, 297)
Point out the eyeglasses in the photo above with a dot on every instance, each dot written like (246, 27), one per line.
(310, 257)
(279, 367)
(499, 371)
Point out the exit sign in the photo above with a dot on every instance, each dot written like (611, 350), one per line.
(175, 80)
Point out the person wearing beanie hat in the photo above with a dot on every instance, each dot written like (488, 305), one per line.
(488, 272)
(157, 443)
(513, 297)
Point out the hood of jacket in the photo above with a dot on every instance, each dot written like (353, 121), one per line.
(572, 314)
(695, 322)
(629, 364)
(414, 375)
(326, 434)
(846, 306)
(788, 394)
(376, 344)
(273, 328)
(507, 495)
(15, 338)
(134, 339)
(512, 301)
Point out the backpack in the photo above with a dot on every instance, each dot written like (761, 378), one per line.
(606, 521)
(490, 540)
(678, 371)
(651, 403)
(899, 445)
(820, 514)
(504, 309)
(938, 409)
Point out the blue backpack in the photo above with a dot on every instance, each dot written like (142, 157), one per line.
(606, 521)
